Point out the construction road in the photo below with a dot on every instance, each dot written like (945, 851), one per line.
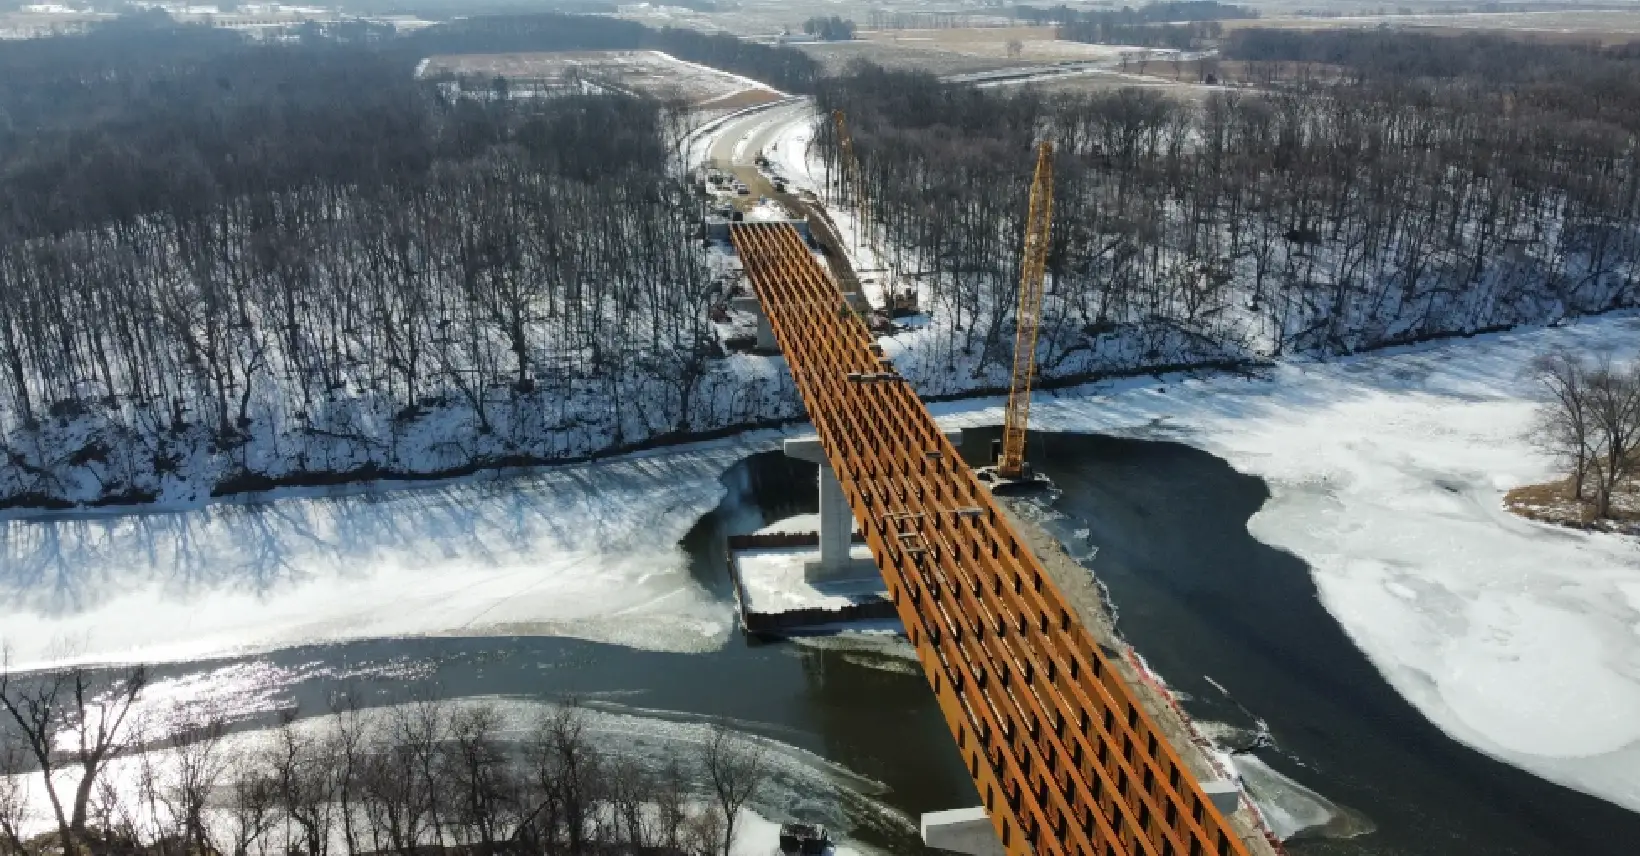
(1064, 757)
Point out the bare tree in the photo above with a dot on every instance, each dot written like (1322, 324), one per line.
(305, 772)
(14, 793)
(1563, 427)
(346, 743)
(736, 768)
(1613, 396)
(196, 767)
(567, 776)
(484, 799)
(76, 708)
(252, 798)
(670, 797)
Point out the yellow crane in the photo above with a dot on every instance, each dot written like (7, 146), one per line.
(851, 173)
(1011, 463)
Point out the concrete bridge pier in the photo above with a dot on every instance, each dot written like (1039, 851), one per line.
(963, 830)
(766, 342)
(836, 518)
(836, 522)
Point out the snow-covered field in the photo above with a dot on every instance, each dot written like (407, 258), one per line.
(1387, 474)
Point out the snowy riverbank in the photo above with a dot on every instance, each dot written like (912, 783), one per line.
(587, 551)
(1386, 471)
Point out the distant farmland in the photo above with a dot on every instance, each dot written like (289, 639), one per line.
(648, 72)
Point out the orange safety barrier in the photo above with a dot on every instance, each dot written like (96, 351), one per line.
(1064, 757)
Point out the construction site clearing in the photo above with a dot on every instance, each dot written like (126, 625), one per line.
(654, 73)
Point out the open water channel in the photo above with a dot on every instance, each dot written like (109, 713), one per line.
(1232, 623)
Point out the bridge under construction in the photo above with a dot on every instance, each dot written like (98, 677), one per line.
(1065, 758)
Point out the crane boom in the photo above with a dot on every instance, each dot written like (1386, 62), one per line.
(1012, 463)
(851, 171)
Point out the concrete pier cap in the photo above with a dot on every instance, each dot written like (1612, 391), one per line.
(962, 830)
(766, 341)
(836, 518)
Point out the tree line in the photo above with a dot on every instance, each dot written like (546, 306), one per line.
(1324, 219)
(831, 29)
(239, 249)
(410, 778)
(1167, 11)
(1176, 25)
(1583, 71)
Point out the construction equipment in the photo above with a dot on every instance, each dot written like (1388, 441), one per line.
(1011, 464)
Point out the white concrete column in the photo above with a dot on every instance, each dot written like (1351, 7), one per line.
(836, 520)
(766, 341)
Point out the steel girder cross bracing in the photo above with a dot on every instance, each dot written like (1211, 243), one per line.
(1064, 757)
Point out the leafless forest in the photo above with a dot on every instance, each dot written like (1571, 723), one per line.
(1327, 214)
(207, 241)
(107, 775)
(227, 265)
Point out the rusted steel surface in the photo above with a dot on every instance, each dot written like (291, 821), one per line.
(1064, 757)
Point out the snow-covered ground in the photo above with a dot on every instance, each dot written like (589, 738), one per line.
(1387, 474)
(562, 551)
(800, 785)
(774, 580)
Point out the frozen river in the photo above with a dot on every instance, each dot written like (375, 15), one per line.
(1324, 543)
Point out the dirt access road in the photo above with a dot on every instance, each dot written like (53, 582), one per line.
(736, 148)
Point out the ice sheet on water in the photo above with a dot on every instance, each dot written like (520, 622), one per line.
(587, 551)
(1289, 808)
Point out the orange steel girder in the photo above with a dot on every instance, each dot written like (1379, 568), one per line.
(1063, 756)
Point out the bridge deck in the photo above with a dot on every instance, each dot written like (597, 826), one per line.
(1064, 757)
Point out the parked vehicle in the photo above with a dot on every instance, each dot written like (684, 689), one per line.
(803, 838)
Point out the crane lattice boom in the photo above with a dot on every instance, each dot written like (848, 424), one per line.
(852, 179)
(1012, 463)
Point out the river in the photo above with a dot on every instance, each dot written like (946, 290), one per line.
(1165, 526)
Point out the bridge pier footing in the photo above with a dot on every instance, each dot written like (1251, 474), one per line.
(965, 830)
